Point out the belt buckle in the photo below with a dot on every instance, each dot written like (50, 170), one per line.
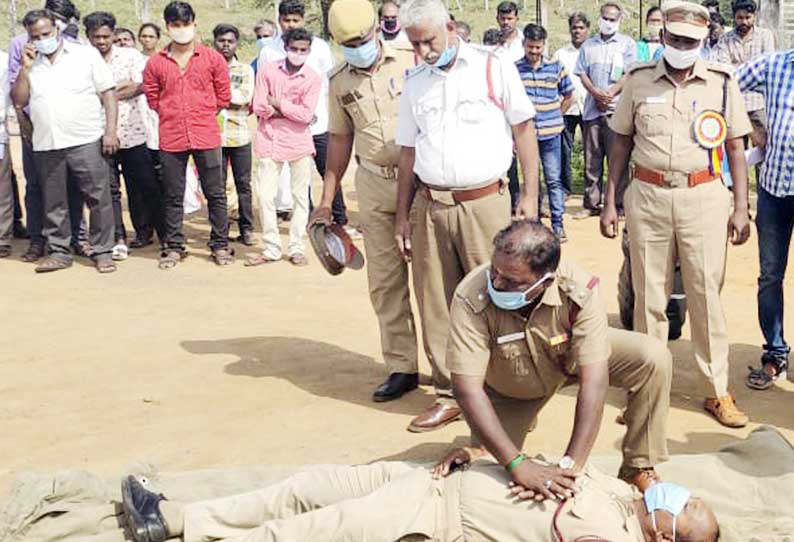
(675, 179)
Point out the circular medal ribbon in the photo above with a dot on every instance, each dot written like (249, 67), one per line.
(710, 129)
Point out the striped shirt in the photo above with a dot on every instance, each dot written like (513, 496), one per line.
(773, 76)
(546, 86)
(734, 50)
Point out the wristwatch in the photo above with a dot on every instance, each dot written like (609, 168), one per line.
(567, 463)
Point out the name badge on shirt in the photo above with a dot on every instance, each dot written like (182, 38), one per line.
(655, 100)
(510, 338)
(558, 340)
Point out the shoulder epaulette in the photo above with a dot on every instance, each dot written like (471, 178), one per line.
(720, 67)
(642, 66)
(337, 69)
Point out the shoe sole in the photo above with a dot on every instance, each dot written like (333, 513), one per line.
(132, 515)
(416, 429)
(387, 398)
(724, 424)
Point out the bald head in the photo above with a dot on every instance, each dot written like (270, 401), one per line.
(697, 523)
(532, 243)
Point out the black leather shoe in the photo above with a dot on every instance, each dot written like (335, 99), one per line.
(247, 238)
(397, 385)
(141, 509)
(20, 231)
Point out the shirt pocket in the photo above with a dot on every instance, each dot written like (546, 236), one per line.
(363, 112)
(472, 109)
(428, 112)
(555, 346)
(514, 357)
(654, 119)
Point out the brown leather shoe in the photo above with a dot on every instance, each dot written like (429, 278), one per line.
(435, 417)
(726, 411)
(641, 478)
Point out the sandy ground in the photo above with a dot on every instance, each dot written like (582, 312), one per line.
(205, 366)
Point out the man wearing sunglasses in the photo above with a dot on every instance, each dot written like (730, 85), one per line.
(526, 325)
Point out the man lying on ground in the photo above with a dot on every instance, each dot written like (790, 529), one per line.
(391, 501)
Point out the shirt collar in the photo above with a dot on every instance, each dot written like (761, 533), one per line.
(166, 51)
(613, 37)
(552, 294)
(700, 70)
(283, 67)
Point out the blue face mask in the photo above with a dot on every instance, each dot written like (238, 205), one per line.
(512, 301)
(665, 496)
(261, 43)
(450, 51)
(47, 46)
(362, 56)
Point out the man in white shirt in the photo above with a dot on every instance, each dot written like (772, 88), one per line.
(389, 17)
(67, 85)
(6, 183)
(507, 19)
(460, 111)
(291, 15)
(579, 26)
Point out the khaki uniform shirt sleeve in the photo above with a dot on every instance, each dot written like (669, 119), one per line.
(589, 342)
(735, 113)
(469, 347)
(339, 122)
(622, 121)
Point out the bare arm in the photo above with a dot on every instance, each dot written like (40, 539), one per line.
(593, 385)
(618, 160)
(527, 150)
(20, 93)
(126, 90)
(406, 190)
(340, 148)
(110, 140)
(567, 100)
(739, 223)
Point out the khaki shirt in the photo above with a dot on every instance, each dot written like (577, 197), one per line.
(528, 358)
(602, 508)
(659, 114)
(366, 103)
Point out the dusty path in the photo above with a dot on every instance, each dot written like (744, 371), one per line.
(206, 366)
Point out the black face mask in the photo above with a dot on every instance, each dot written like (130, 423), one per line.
(389, 25)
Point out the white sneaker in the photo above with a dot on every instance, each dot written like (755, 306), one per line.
(120, 252)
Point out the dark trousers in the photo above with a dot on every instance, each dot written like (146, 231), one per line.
(91, 173)
(208, 163)
(514, 187)
(568, 135)
(338, 209)
(240, 160)
(598, 138)
(17, 202)
(6, 199)
(34, 202)
(143, 193)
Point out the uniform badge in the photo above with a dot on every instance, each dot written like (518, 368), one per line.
(710, 131)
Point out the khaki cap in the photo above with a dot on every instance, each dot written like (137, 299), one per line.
(350, 19)
(686, 19)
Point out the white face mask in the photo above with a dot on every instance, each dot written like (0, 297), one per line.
(680, 59)
(183, 34)
(608, 28)
(297, 59)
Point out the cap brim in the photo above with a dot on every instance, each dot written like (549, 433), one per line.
(317, 240)
(687, 30)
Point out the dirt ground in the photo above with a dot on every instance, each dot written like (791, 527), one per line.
(205, 366)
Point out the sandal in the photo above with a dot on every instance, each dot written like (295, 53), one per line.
(104, 263)
(761, 379)
(52, 263)
(169, 259)
(34, 253)
(5, 251)
(223, 256)
(299, 260)
(259, 259)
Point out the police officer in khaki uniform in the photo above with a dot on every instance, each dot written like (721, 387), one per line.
(390, 502)
(364, 102)
(460, 111)
(525, 325)
(673, 117)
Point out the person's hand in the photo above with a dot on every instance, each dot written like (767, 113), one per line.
(273, 101)
(533, 481)
(402, 235)
(527, 208)
(29, 54)
(455, 459)
(110, 144)
(320, 215)
(609, 222)
(739, 227)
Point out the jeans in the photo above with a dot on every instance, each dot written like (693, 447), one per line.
(208, 163)
(549, 150)
(338, 208)
(568, 135)
(34, 202)
(240, 159)
(143, 192)
(774, 222)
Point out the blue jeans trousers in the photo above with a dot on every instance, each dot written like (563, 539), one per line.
(551, 161)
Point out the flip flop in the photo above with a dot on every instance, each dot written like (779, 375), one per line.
(169, 259)
(223, 256)
(298, 260)
(259, 259)
(104, 264)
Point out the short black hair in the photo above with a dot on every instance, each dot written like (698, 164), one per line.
(149, 25)
(386, 2)
(532, 242)
(711, 4)
(98, 19)
(179, 12)
(62, 8)
(534, 32)
(744, 5)
(492, 36)
(578, 17)
(120, 30)
(297, 34)
(32, 17)
(507, 7)
(463, 25)
(651, 11)
(717, 19)
(291, 7)
(223, 28)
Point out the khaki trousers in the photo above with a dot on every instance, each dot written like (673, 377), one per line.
(378, 503)
(689, 224)
(268, 173)
(387, 272)
(449, 241)
(643, 368)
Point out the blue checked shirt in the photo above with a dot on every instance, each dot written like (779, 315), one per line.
(773, 76)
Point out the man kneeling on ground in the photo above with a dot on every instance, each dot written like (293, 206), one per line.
(387, 502)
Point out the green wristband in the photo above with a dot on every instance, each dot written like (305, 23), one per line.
(515, 462)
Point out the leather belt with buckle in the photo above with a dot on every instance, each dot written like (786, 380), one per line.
(666, 179)
(460, 196)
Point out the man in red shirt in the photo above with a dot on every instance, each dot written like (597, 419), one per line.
(187, 84)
